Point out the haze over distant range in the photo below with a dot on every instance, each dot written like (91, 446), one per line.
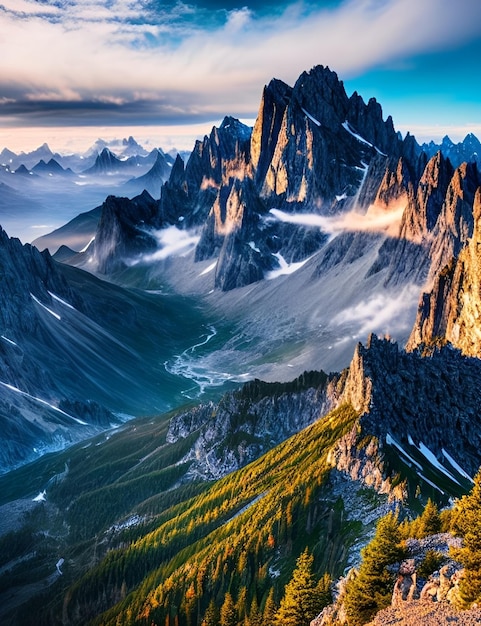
(73, 70)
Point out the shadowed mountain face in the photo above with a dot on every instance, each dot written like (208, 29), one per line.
(78, 355)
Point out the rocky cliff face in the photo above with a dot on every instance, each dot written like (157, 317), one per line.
(421, 410)
(248, 422)
(123, 231)
(450, 311)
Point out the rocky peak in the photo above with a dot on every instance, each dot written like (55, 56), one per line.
(451, 310)
(274, 101)
(105, 162)
(322, 94)
(122, 231)
(423, 211)
(412, 406)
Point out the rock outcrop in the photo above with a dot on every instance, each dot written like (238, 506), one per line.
(450, 312)
(248, 422)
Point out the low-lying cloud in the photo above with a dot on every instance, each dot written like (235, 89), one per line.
(374, 220)
(381, 314)
(172, 241)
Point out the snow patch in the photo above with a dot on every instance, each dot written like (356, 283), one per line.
(392, 442)
(285, 268)
(426, 452)
(51, 406)
(455, 465)
(357, 136)
(208, 269)
(9, 340)
(429, 482)
(85, 248)
(41, 497)
(254, 247)
(311, 117)
(56, 315)
(61, 301)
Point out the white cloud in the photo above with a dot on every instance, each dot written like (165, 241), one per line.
(122, 51)
(374, 220)
(380, 314)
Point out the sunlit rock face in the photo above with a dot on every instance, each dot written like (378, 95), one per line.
(451, 310)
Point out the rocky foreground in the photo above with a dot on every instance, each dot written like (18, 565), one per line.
(426, 613)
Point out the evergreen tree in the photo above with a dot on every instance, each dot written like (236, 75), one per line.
(430, 520)
(324, 592)
(270, 609)
(300, 603)
(211, 617)
(228, 613)
(371, 590)
(255, 616)
(466, 521)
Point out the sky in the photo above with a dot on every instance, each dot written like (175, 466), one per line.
(75, 70)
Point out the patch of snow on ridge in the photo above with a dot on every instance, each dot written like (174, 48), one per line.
(51, 406)
(426, 452)
(208, 269)
(9, 340)
(85, 248)
(455, 465)
(41, 497)
(285, 268)
(392, 442)
(311, 117)
(357, 136)
(56, 315)
(61, 301)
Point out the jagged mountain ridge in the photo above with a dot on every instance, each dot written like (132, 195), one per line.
(314, 479)
(309, 151)
(468, 150)
(313, 150)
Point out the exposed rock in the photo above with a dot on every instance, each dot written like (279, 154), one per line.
(123, 231)
(451, 311)
(257, 417)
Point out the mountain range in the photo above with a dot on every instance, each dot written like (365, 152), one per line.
(319, 258)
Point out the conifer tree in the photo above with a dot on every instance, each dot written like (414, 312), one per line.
(371, 590)
(211, 617)
(228, 613)
(270, 609)
(430, 519)
(300, 603)
(466, 521)
(255, 616)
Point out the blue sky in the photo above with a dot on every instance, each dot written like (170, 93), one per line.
(72, 70)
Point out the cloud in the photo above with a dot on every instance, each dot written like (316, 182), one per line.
(181, 61)
(374, 220)
(381, 313)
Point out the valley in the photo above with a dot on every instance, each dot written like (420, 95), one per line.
(231, 356)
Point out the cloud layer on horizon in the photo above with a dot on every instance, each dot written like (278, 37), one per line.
(124, 61)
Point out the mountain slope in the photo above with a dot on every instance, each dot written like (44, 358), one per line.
(69, 342)
(158, 531)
